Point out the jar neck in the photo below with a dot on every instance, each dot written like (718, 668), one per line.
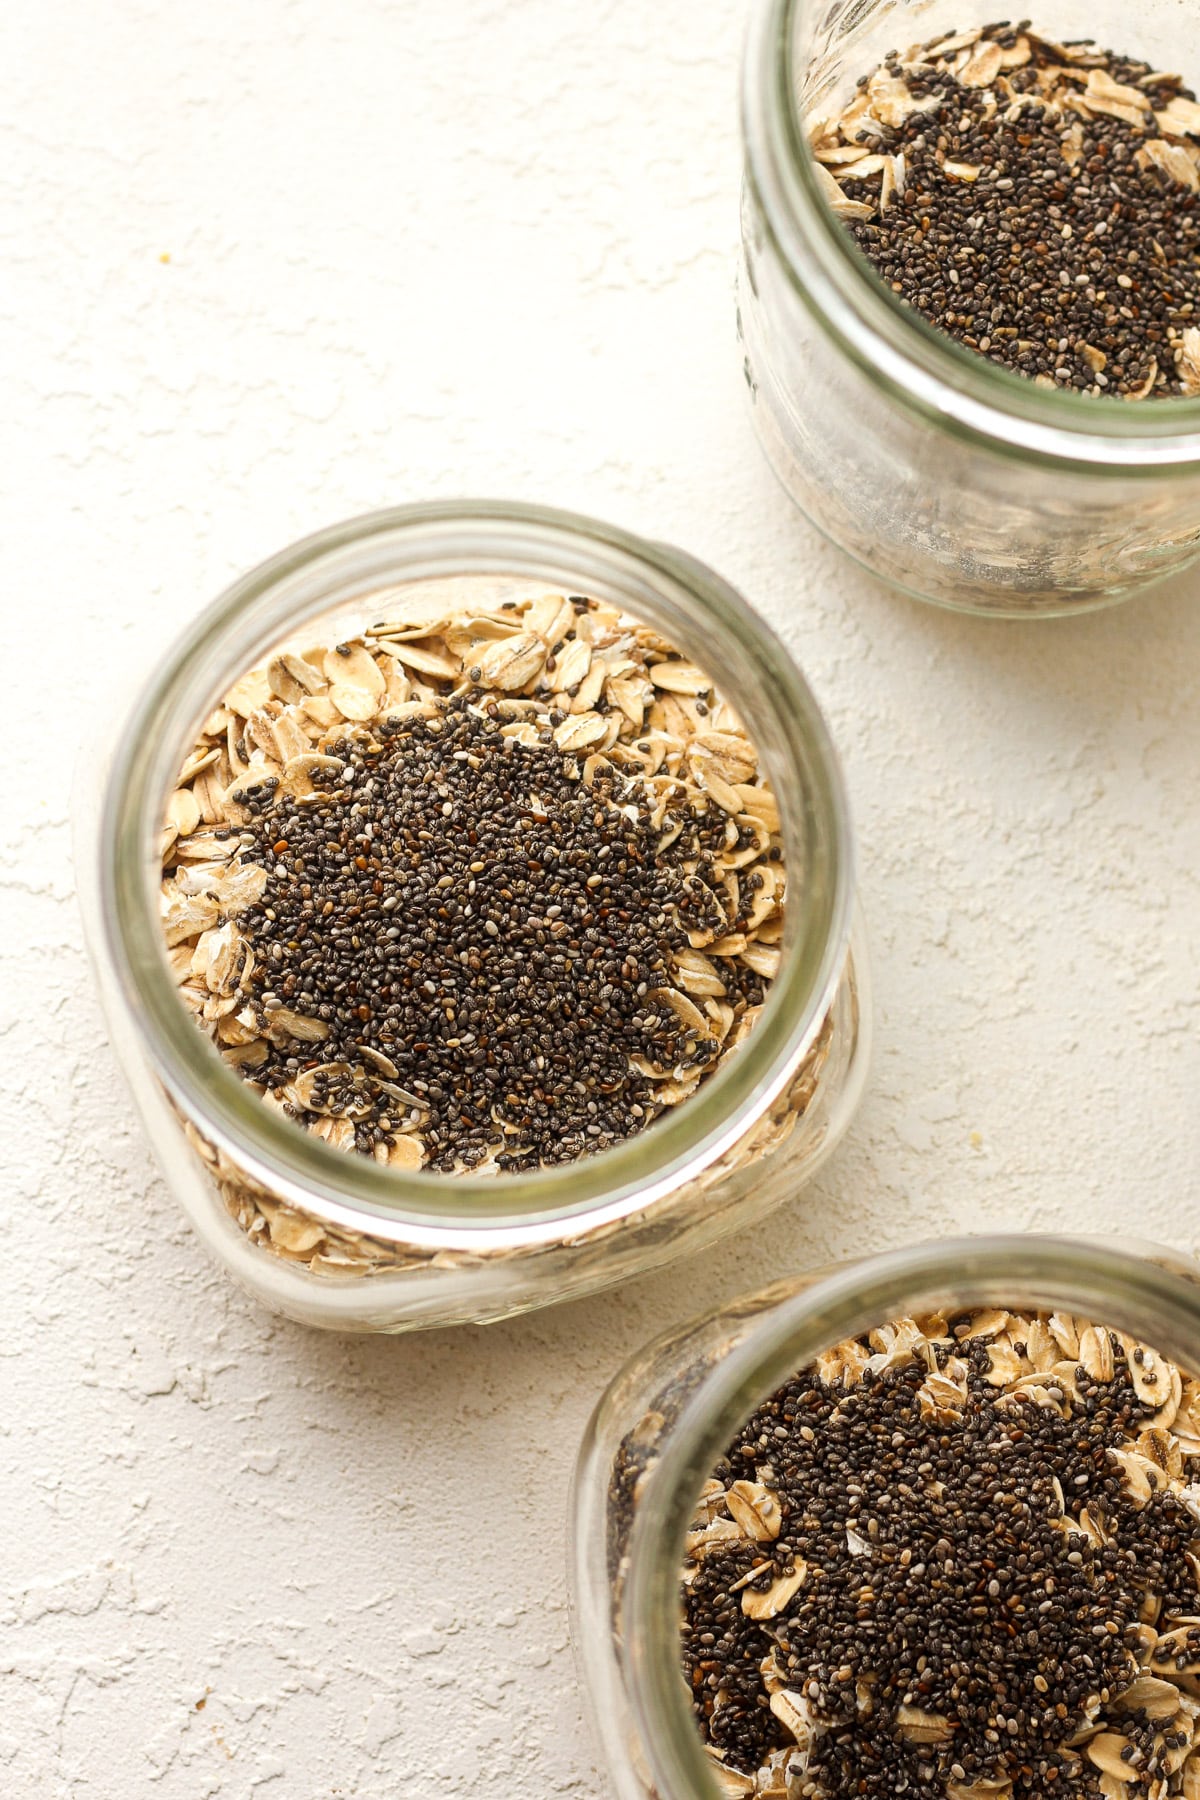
(451, 550)
(797, 66)
(1151, 1293)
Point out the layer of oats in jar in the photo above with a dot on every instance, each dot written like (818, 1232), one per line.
(1037, 201)
(475, 892)
(959, 1556)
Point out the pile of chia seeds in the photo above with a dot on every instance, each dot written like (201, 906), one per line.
(958, 1622)
(1058, 240)
(484, 936)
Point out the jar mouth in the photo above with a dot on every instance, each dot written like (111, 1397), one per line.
(891, 344)
(459, 541)
(1146, 1290)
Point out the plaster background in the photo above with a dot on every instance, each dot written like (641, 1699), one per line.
(417, 251)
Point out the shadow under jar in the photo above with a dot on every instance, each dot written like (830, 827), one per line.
(334, 1238)
(673, 1411)
(950, 477)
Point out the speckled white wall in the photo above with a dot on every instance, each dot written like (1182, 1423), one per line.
(268, 265)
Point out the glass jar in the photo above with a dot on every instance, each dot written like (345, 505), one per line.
(336, 1239)
(952, 478)
(669, 1415)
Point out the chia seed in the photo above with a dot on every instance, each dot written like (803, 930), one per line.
(981, 1583)
(443, 896)
(1044, 213)
(531, 923)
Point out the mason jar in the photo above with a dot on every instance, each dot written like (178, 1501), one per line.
(670, 1414)
(334, 1238)
(948, 476)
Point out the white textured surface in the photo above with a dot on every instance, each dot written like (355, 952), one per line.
(426, 250)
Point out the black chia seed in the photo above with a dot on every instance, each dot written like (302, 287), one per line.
(966, 1595)
(492, 929)
(1080, 272)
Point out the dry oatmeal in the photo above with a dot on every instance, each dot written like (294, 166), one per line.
(478, 891)
(1038, 201)
(959, 1555)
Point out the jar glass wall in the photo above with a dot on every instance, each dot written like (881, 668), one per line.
(333, 1238)
(668, 1417)
(950, 477)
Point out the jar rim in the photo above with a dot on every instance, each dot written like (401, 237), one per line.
(1151, 1291)
(920, 368)
(429, 542)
